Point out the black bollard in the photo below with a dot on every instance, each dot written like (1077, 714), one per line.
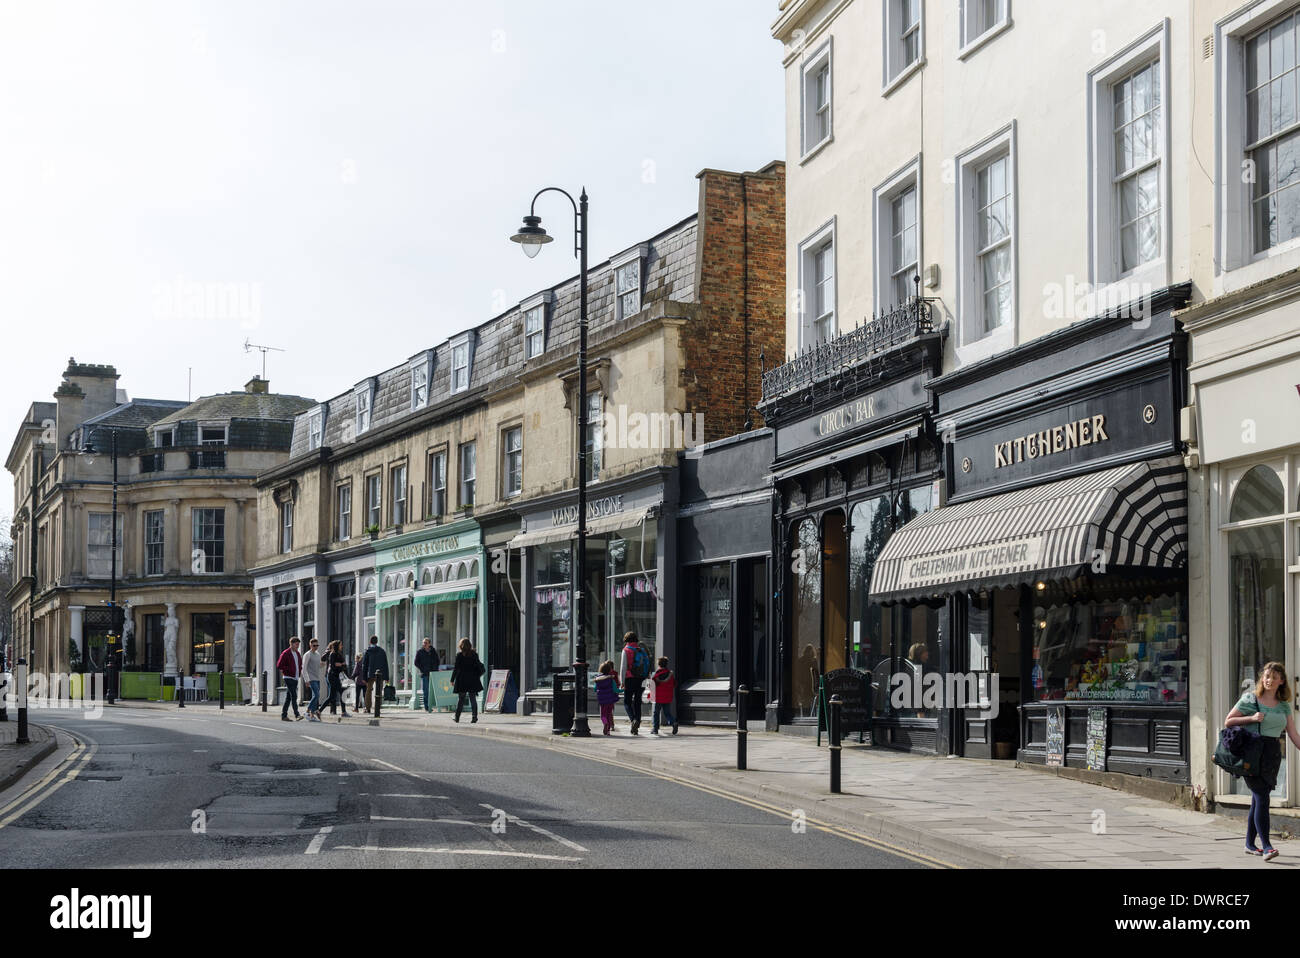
(180, 690)
(221, 689)
(264, 690)
(379, 697)
(742, 729)
(581, 727)
(836, 705)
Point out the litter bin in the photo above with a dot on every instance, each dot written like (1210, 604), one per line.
(562, 687)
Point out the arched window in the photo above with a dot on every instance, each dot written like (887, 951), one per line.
(1259, 494)
(368, 585)
(473, 569)
(426, 577)
(806, 647)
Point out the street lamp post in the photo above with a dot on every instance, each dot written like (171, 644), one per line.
(115, 621)
(532, 237)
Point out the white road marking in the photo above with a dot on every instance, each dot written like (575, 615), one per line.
(316, 843)
(343, 774)
(200, 751)
(431, 821)
(380, 761)
(484, 852)
(329, 745)
(264, 728)
(445, 798)
(538, 829)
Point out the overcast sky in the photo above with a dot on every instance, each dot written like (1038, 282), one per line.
(338, 178)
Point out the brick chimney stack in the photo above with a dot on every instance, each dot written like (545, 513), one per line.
(257, 386)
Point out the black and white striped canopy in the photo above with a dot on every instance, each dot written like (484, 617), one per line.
(1130, 517)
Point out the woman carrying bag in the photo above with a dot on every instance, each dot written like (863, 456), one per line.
(466, 679)
(1267, 710)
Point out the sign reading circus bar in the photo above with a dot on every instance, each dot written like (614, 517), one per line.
(971, 562)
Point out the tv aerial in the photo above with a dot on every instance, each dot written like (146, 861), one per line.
(249, 347)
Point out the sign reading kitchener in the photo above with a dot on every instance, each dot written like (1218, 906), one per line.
(970, 562)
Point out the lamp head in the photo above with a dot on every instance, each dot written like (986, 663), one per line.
(531, 236)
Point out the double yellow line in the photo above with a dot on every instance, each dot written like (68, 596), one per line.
(64, 772)
(785, 813)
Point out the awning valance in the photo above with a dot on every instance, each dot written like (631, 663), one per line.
(595, 527)
(1132, 516)
(453, 596)
(388, 604)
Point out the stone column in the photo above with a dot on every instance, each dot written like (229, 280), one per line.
(239, 652)
(77, 624)
(358, 614)
(322, 612)
(235, 539)
(172, 539)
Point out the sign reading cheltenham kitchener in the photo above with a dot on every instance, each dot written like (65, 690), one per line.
(970, 562)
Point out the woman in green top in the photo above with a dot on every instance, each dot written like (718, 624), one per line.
(1269, 709)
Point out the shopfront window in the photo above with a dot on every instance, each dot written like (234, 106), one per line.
(633, 585)
(208, 633)
(286, 616)
(596, 606)
(807, 614)
(343, 616)
(712, 596)
(553, 566)
(394, 623)
(1132, 650)
(889, 641)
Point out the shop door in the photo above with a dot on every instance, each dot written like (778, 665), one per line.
(751, 633)
(989, 643)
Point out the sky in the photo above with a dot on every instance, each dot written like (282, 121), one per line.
(338, 178)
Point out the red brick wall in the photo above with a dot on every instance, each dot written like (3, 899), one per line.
(722, 375)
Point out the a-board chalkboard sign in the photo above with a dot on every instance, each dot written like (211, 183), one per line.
(1097, 739)
(1056, 737)
(854, 689)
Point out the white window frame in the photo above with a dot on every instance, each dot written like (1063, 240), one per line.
(973, 344)
(286, 527)
(374, 510)
(1110, 283)
(161, 543)
(421, 368)
(1237, 265)
(315, 428)
(974, 33)
(438, 482)
(808, 251)
(364, 394)
(596, 426)
(462, 358)
(115, 556)
(541, 302)
(819, 59)
(342, 516)
(896, 73)
(170, 433)
(223, 427)
(209, 560)
(468, 485)
(637, 255)
(512, 480)
(908, 177)
(398, 513)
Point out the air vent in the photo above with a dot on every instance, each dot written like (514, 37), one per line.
(1207, 47)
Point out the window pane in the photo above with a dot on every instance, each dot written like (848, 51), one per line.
(1283, 103)
(1257, 70)
(1257, 496)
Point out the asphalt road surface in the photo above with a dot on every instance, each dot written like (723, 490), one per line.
(162, 789)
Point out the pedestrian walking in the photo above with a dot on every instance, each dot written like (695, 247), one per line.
(290, 665)
(665, 686)
(426, 660)
(313, 670)
(1267, 709)
(466, 679)
(633, 669)
(359, 682)
(336, 663)
(607, 692)
(375, 668)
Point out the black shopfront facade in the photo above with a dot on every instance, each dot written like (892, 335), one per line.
(1060, 558)
(856, 457)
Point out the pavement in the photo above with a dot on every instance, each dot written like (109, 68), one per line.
(966, 812)
(17, 760)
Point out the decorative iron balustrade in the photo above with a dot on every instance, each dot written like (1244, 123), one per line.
(822, 360)
(208, 459)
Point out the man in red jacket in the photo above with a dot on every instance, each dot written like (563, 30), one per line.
(290, 666)
(665, 686)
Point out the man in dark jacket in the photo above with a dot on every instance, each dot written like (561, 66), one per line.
(290, 665)
(426, 660)
(375, 668)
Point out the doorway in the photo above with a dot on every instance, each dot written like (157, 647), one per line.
(988, 643)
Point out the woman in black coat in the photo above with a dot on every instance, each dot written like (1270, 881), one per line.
(466, 676)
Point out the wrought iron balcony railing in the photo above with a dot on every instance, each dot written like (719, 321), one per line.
(833, 357)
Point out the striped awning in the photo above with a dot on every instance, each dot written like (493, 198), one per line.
(1126, 517)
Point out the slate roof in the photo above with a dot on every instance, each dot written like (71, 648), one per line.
(136, 414)
(240, 405)
(668, 274)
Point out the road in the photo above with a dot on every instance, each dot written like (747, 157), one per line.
(160, 789)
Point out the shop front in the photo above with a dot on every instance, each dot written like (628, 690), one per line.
(724, 546)
(856, 457)
(1246, 507)
(630, 544)
(430, 584)
(1060, 560)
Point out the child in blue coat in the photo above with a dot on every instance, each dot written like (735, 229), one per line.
(607, 694)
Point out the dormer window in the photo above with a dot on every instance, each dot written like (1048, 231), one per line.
(628, 276)
(534, 311)
(315, 428)
(462, 359)
(365, 394)
(165, 438)
(212, 435)
(420, 376)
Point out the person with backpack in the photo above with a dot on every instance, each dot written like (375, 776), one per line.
(1268, 710)
(290, 665)
(607, 691)
(426, 660)
(634, 669)
(466, 679)
(336, 664)
(665, 686)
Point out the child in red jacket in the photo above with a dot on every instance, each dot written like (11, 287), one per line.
(665, 686)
